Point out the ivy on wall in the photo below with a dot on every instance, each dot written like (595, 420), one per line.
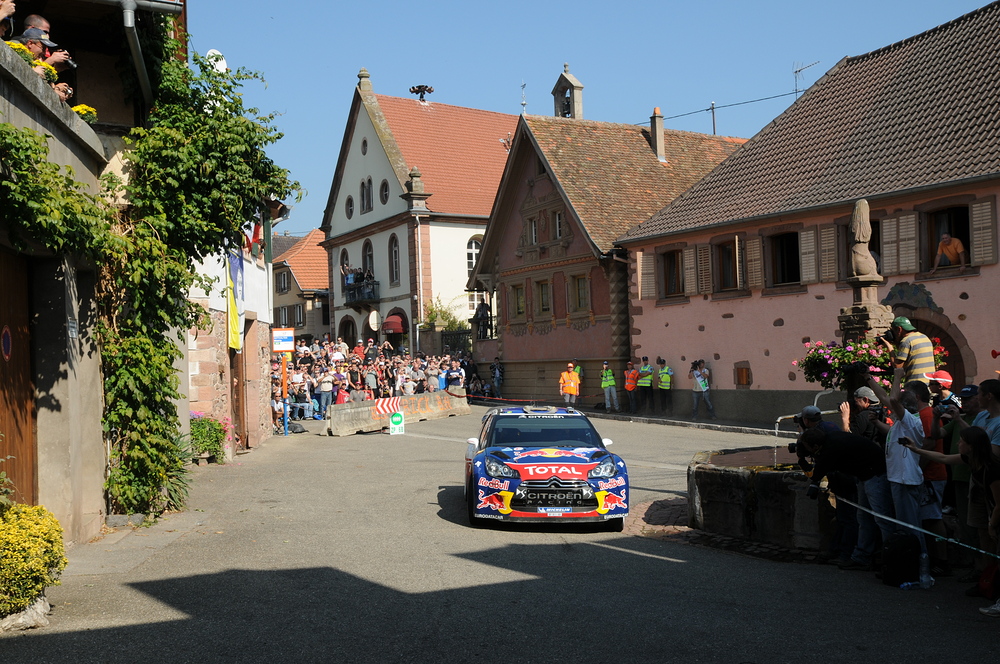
(198, 178)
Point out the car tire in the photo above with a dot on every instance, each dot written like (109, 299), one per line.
(470, 506)
(616, 525)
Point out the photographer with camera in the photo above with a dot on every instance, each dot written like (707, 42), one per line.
(865, 416)
(851, 463)
(912, 350)
(699, 390)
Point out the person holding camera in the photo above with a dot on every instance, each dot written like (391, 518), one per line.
(850, 462)
(912, 350)
(699, 390)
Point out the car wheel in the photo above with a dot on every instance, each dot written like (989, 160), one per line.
(616, 525)
(470, 504)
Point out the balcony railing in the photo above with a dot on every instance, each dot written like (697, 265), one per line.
(363, 293)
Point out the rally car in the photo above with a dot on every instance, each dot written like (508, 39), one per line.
(543, 464)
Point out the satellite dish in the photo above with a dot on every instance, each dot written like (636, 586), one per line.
(374, 320)
(217, 60)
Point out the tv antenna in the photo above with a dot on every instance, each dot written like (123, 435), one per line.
(797, 72)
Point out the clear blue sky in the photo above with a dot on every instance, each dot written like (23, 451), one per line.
(630, 57)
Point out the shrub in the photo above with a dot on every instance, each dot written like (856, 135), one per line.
(829, 363)
(208, 435)
(31, 556)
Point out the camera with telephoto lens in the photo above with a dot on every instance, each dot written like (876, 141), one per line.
(792, 447)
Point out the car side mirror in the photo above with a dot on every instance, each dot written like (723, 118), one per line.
(607, 441)
(472, 441)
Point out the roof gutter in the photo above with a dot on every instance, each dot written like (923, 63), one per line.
(128, 20)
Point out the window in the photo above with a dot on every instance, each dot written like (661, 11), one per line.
(345, 264)
(955, 222)
(472, 250)
(394, 259)
(325, 315)
(282, 281)
(517, 301)
(300, 318)
(785, 259)
(282, 317)
(581, 293)
(532, 231)
(383, 192)
(366, 196)
(368, 257)
(364, 146)
(543, 291)
(726, 258)
(673, 273)
(557, 225)
(349, 207)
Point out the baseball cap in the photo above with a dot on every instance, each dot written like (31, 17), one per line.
(866, 393)
(942, 377)
(37, 34)
(903, 322)
(969, 391)
(644, 358)
(810, 413)
(605, 361)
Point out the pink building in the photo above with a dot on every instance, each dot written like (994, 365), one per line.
(751, 262)
(558, 286)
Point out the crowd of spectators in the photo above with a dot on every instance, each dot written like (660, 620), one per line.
(326, 373)
(888, 453)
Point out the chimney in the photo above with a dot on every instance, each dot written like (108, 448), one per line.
(656, 134)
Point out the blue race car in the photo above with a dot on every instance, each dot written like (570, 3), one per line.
(541, 464)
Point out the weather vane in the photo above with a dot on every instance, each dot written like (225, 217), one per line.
(421, 90)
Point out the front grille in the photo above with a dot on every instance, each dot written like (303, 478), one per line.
(532, 494)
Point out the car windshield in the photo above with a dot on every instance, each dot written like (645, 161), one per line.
(544, 430)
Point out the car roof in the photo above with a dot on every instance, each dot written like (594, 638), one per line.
(534, 410)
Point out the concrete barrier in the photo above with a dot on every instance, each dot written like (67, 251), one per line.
(355, 417)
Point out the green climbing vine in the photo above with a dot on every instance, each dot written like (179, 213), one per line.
(198, 177)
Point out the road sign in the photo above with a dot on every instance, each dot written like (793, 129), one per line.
(282, 339)
(395, 424)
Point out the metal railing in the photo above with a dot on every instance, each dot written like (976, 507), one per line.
(366, 291)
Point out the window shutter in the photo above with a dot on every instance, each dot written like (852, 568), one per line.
(807, 256)
(738, 255)
(755, 263)
(890, 246)
(647, 276)
(704, 268)
(828, 253)
(984, 235)
(906, 233)
(690, 271)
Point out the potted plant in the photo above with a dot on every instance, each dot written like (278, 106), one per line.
(208, 436)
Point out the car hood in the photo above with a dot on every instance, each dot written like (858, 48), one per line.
(548, 455)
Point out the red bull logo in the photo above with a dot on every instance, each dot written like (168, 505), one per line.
(552, 453)
(494, 484)
(499, 501)
(611, 501)
(610, 484)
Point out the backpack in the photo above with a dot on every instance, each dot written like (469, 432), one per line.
(900, 558)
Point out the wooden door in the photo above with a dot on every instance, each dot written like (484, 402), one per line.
(17, 390)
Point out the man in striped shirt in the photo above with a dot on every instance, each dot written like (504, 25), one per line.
(914, 351)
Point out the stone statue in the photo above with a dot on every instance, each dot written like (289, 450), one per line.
(863, 266)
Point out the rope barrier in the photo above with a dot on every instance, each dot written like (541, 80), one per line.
(937, 538)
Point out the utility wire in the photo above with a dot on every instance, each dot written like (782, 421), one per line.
(711, 108)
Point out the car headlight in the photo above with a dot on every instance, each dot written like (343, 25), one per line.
(496, 468)
(605, 468)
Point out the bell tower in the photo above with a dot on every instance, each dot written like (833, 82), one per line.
(567, 95)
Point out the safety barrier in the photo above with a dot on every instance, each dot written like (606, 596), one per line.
(356, 417)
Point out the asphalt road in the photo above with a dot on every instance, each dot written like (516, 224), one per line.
(356, 549)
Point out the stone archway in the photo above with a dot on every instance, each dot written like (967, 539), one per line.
(348, 331)
(961, 361)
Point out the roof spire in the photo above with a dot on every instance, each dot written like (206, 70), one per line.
(364, 80)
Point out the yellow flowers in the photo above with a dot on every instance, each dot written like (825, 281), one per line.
(31, 555)
(87, 113)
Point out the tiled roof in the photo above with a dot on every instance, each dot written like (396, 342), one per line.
(457, 150)
(611, 175)
(917, 113)
(308, 262)
(281, 243)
